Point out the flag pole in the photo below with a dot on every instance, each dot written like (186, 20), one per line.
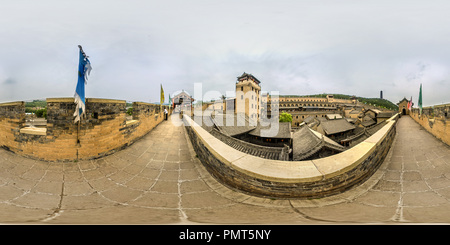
(81, 49)
(84, 69)
(79, 121)
(420, 101)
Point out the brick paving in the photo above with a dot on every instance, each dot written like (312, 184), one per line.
(158, 180)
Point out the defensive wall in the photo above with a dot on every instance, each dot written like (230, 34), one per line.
(291, 179)
(434, 119)
(104, 130)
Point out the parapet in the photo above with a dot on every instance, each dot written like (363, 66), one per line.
(435, 119)
(291, 179)
(104, 130)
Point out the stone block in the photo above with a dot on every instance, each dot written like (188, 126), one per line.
(35, 131)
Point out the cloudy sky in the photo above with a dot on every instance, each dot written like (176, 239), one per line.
(294, 47)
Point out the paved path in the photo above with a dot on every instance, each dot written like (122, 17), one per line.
(158, 180)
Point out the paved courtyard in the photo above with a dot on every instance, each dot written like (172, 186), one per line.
(158, 180)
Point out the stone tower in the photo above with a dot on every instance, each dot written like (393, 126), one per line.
(403, 106)
(248, 91)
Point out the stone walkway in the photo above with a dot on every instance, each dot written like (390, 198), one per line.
(158, 180)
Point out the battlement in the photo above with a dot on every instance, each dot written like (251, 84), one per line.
(435, 119)
(104, 130)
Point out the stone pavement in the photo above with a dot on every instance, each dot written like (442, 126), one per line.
(158, 180)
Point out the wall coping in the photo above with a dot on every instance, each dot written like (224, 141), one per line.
(99, 100)
(69, 99)
(131, 122)
(144, 103)
(435, 106)
(291, 171)
(35, 131)
(91, 100)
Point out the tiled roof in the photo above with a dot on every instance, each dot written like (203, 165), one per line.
(246, 75)
(367, 121)
(336, 126)
(233, 124)
(284, 131)
(306, 142)
(384, 114)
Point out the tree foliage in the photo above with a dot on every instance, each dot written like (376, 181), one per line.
(130, 111)
(285, 117)
(36, 103)
(383, 103)
(41, 113)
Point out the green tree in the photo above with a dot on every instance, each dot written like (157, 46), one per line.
(41, 113)
(130, 111)
(285, 117)
(29, 110)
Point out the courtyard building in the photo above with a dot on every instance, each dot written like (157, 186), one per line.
(321, 126)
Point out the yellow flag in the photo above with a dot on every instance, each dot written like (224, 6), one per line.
(162, 95)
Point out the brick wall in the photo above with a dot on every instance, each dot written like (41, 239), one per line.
(12, 118)
(104, 130)
(434, 119)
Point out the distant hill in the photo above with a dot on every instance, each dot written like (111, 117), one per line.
(36, 103)
(383, 103)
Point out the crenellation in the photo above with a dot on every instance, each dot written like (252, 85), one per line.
(435, 120)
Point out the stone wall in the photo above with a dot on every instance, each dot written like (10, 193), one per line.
(103, 131)
(434, 119)
(12, 118)
(292, 179)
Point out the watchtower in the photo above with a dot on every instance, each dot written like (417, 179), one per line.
(248, 91)
(403, 107)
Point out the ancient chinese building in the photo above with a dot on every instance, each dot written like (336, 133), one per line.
(248, 91)
(403, 106)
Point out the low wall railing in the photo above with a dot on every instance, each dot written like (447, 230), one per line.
(291, 179)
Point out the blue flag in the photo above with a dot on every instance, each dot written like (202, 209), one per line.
(420, 100)
(84, 69)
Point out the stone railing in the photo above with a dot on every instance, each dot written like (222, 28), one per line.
(103, 131)
(291, 179)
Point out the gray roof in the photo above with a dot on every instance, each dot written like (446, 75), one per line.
(306, 142)
(384, 114)
(309, 119)
(336, 126)
(354, 111)
(367, 121)
(247, 75)
(232, 124)
(284, 131)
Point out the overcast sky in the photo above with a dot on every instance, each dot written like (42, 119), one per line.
(295, 47)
